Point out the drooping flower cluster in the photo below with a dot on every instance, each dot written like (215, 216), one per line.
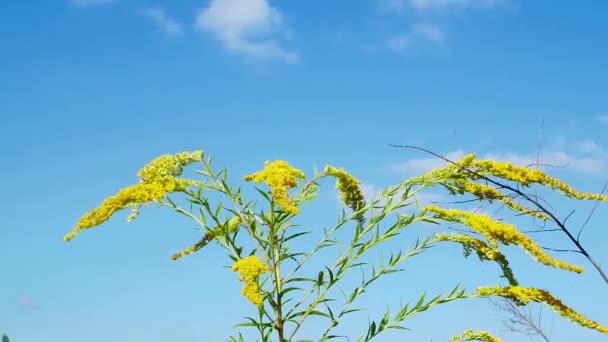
(523, 296)
(348, 187)
(279, 176)
(157, 179)
(524, 176)
(495, 231)
(484, 252)
(470, 335)
(250, 269)
(228, 227)
(167, 167)
(483, 191)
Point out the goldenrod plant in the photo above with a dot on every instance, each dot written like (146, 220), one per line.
(284, 295)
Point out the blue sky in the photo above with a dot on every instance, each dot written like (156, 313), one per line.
(94, 89)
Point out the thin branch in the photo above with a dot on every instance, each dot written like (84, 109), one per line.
(578, 236)
(561, 250)
(521, 320)
(541, 230)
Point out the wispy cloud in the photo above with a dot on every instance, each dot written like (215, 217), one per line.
(420, 32)
(248, 27)
(441, 5)
(422, 6)
(167, 24)
(89, 3)
(429, 31)
(399, 43)
(428, 26)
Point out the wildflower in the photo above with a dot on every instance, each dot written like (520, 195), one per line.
(249, 269)
(526, 177)
(470, 335)
(348, 187)
(230, 226)
(484, 252)
(279, 176)
(167, 166)
(483, 191)
(523, 295)
(507, 234)
(158, 178)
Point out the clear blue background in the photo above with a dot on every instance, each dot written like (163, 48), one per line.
(89, 94)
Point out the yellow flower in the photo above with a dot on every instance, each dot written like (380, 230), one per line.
(167, 166)
(470, 335)
(249, 269)
(279, 176)
(483, 191)
(230, 226)
(251, 291)
(484, 252)
(523, 295)
(506, 233)
(348, 187)
(158, 178)
(526, 177)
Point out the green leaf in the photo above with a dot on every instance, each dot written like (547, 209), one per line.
(293, 236)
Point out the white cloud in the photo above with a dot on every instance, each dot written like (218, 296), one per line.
(158, 15)
(399, 43)
(248, 27)
(88, 3)
(417, 166)
(428, 31)
(419, 32)
(399, 6)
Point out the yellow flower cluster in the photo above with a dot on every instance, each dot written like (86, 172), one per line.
(470, 335)
(523, 295)
(157, 179)
(526, 177)
(506, 233)
(250, 268)
(167, 167)
(230, 226)
(483, 191)
(279, 176)
(484, 252)
(348, 187)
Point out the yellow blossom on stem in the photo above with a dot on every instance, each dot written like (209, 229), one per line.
(348, 187)
(483, 191)
(523, 295)
(158, 178)
(470, 335)
(506, 233)
(279, 176)
(484, 252)
(249, 269)
(230, 226)
(167, 165)
(526, 177)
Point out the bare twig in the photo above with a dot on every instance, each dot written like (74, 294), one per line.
(521, 319)
(578, 236)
